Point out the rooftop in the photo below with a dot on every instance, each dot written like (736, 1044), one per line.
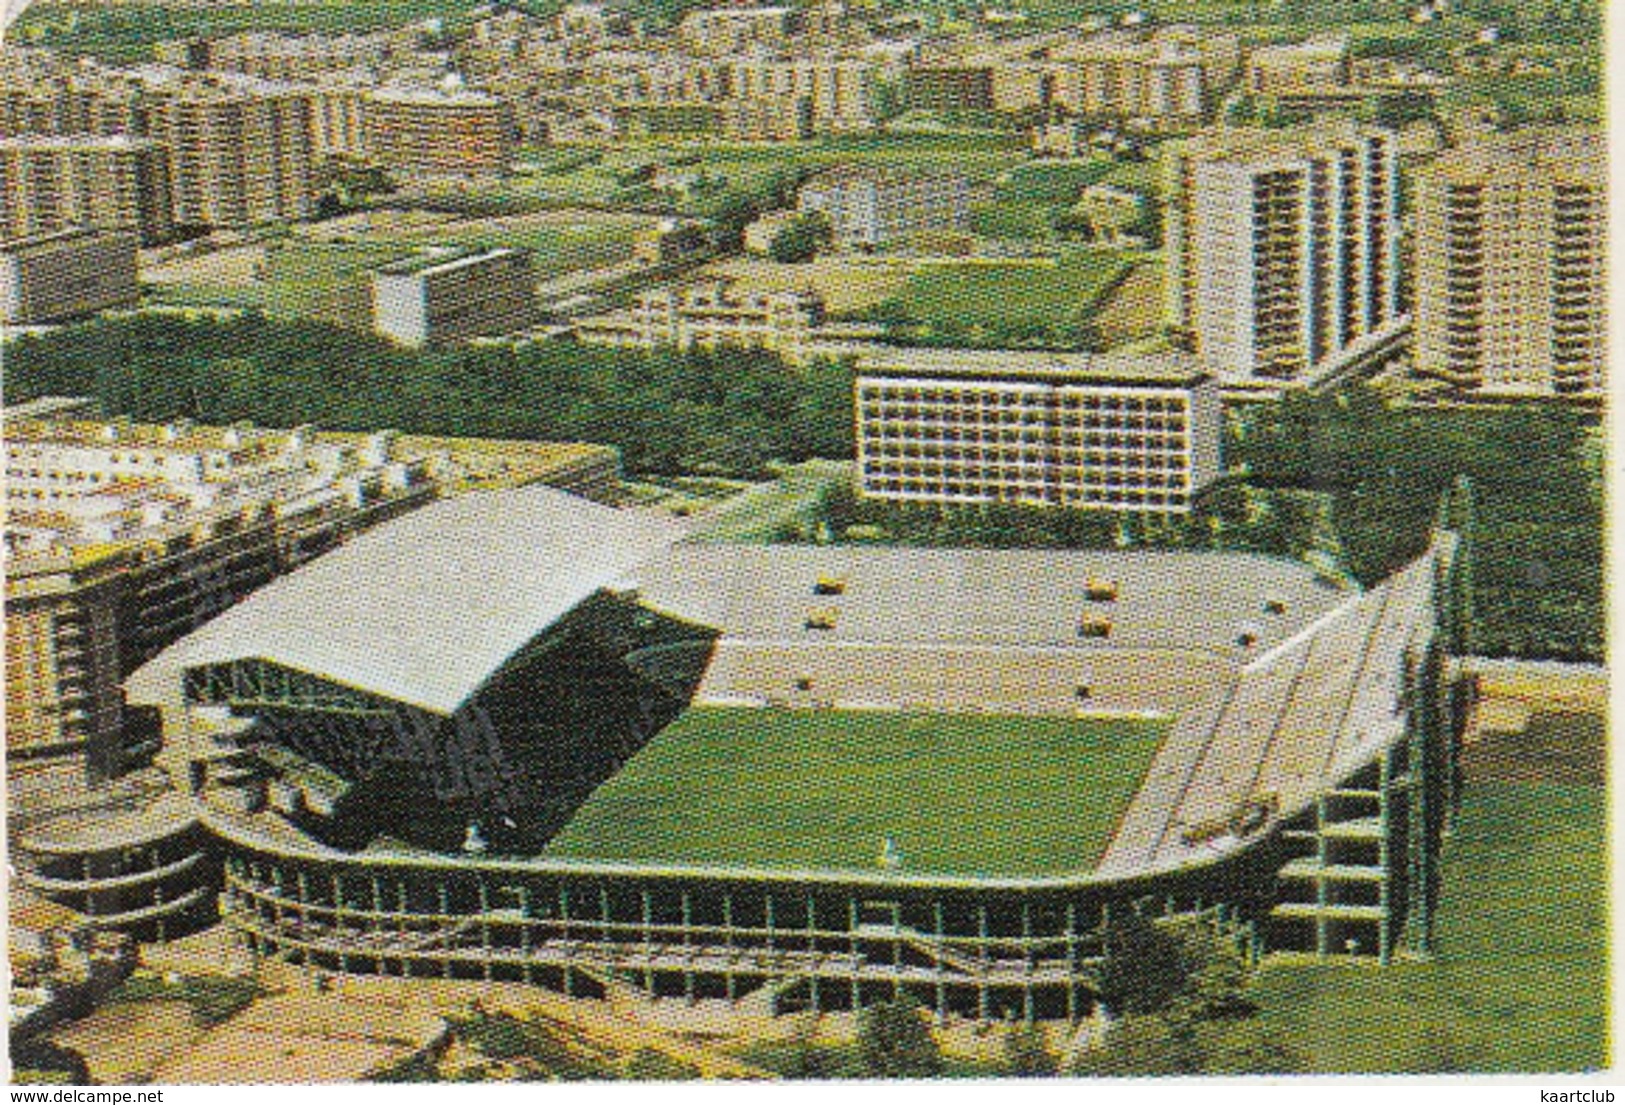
(1317, 46)
(1249, 144)
(460, 464)
(438, 263)
(177, 437)
(986, 597)
(75, 142)
(425, 608)
(1169, 369)
(107, 827)
(434, 97)
(42, 242)
(1568, 153)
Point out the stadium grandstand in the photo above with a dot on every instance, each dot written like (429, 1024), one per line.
(517, 735)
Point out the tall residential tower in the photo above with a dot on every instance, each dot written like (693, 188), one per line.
(1511, 246)
(1283, 245)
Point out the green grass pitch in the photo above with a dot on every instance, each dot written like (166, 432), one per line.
(958, 794)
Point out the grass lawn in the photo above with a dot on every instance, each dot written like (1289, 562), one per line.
(295, 279)
(555, 248)
(958, 794)
(1050, 182)
(848, 284)
(303, 278)
(1144, 177)
(1133, 311)
(766, 512)
(1013, 294)
(1520, 981)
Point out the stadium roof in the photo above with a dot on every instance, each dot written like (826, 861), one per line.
(1302, 716)
(982, 597)
(424, 609)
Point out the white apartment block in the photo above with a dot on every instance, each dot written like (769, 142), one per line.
(442, 300)
(868, 206)
(1100, 432)
(1283, 246)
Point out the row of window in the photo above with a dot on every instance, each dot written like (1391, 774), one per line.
(1028, 475)
(915, 415)
(1068, 439)
(980, 398)
(1073, 459)
(951, 489)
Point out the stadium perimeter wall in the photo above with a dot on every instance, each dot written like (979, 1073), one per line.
(830, 940)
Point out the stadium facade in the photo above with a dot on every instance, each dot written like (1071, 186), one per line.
(379, 747)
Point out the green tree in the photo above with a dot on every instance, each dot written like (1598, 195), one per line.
(802, 239)
(1025, 1053)
(649, 1065)
(1216, 977)
(895, 1042)
(731, 212)
(887, 98)
(1144, 968)
(1140, 1045)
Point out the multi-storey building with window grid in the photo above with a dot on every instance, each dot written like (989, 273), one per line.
(56, 182)
(1283, 246)
(712, 314)
(439, 132)
(1511, 254)
(43, 93)
(1114, 433)
(240, 149)
(444, 299)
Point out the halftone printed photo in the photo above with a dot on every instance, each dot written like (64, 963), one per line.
(637, 541)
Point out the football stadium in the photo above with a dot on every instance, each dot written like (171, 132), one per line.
(517, 735)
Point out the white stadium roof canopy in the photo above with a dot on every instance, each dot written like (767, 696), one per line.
(424, 609)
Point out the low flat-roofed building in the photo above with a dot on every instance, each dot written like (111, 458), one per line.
(1100, 432)
(49, 277)
(448, 299)
(1322, 61)
(723, 31)
(672, 242)
(1112, 213)
(712, 314)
